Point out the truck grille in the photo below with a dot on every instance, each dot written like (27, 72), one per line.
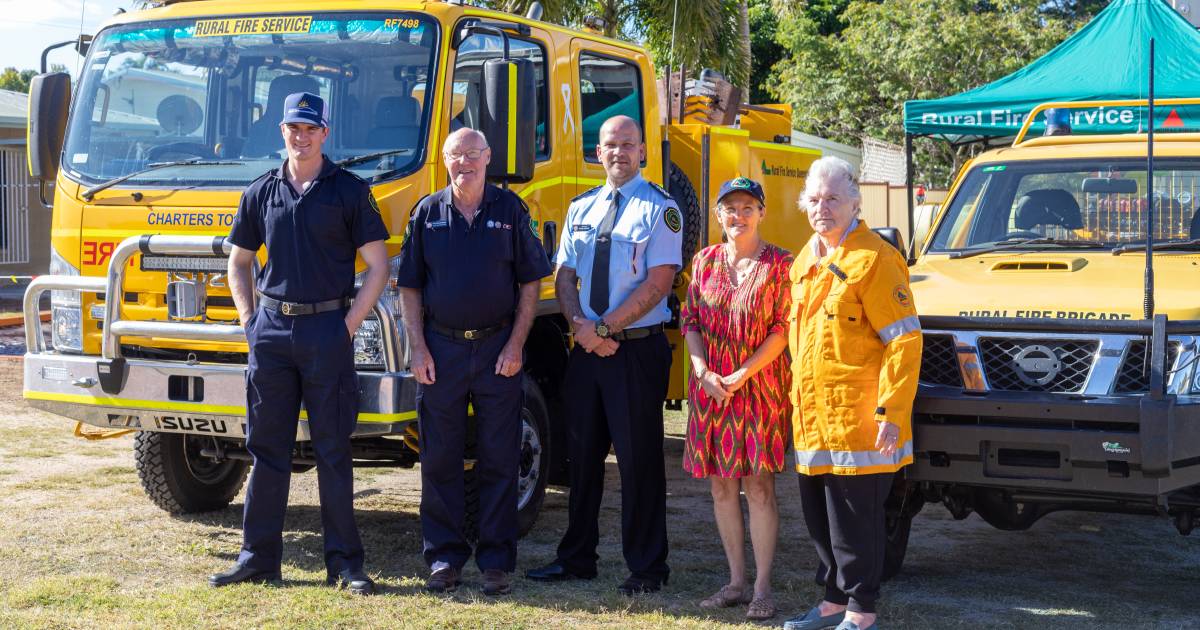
(1134, 376)
(939, 364)
(1024, 365)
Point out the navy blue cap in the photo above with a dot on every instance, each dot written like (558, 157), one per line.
(304, 107)
(742, 184)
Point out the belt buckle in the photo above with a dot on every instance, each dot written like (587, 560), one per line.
(285, 308)
(469, 334)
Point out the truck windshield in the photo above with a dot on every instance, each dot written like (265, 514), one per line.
(1070, 204)
(213, 90)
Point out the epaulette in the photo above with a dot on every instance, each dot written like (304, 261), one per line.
(661, 190)
(586, 193)
(417, 206)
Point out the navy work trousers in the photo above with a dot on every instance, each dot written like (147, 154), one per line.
(465, 373)
(618, 401)
(307, 358)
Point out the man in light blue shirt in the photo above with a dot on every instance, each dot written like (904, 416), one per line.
(617, 261)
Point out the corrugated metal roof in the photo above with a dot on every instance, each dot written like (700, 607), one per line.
(13, 108)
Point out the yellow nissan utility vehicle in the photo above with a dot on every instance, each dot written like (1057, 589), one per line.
(177, 109)
(1053, 377)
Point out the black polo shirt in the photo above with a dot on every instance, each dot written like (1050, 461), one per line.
(469, 274)
(311, 237)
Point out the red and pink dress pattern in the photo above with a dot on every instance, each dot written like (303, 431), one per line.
(750, 433)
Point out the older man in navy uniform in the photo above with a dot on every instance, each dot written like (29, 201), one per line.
(313, 217)
(469, 275)
(622, 249)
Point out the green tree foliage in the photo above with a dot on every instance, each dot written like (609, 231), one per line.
(852, 81)
(765, 52)
(17, 81)
(707, 34)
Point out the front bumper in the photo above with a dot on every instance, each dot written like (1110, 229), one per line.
(193, 398)
(114, 392)
(1114, 445)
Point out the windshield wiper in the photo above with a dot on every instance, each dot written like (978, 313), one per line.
(91, 192)
(359, 159)
(1045, 240)
(1193, 244)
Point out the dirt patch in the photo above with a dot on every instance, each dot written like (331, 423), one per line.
(84, 548)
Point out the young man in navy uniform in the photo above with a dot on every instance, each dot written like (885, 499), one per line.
(622, 246)
(313, 216)
(470, 270)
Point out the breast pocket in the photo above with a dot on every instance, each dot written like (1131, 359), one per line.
(843, 331)
(629, 249)
(327, 221)
(500, 244)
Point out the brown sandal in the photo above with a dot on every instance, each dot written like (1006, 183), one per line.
(761, 608)
(726, 597)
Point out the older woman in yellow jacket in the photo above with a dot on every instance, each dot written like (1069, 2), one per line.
(856, 347)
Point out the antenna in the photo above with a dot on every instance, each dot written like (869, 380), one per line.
(1148, 300)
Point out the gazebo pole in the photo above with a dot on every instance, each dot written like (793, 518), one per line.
(908, 182)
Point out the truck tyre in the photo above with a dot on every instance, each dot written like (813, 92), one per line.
(684, 193)
(904, 502)
(180, 480)
(533, 469)
(1001, 512)
(897, 526)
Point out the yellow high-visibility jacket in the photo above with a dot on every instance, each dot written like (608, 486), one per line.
(856, 353)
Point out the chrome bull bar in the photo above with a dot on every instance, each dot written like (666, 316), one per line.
(115, 328)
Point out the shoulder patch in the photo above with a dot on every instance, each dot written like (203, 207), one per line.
(901, 295)
(586, 193)
(673, 219)
(374, 204)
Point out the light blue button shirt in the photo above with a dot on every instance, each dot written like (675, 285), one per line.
(643, 237)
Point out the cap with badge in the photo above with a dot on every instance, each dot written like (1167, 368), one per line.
(742, 184)
(305, 108)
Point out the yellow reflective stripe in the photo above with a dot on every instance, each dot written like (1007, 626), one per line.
(853, 459)
(512, 118)
(150, 405)
(158, 405)
(555, 181)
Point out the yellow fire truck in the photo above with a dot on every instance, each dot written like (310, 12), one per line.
(177, 110)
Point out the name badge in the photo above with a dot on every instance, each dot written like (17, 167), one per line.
(581, 227)
(433, 225)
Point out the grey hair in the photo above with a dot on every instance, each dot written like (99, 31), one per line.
(467, 131)
(832, 168)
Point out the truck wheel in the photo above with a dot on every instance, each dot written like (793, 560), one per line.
(904, 503)
(898, 526)
(180, 480)
(1001, 512)
(533, 469)
(684, 193)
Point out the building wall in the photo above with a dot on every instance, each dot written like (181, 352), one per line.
(24, 223)
(883, 205)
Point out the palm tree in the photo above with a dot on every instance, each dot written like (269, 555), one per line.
(695, 33)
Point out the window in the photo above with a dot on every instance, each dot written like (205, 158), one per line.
(607, 87)
(468, 82)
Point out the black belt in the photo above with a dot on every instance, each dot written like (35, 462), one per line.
(477, 334)
(296, 308)
(637, 333)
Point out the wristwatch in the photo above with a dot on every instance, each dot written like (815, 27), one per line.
(602, 330)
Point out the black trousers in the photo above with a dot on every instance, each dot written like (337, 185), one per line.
(466, 373)
(845, 518)
(618, 401)
(308, 358)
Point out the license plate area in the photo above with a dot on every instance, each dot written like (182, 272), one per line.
(1016, 460)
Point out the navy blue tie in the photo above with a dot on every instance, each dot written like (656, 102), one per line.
(598, 299)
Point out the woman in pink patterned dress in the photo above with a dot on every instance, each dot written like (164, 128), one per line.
(735, 322)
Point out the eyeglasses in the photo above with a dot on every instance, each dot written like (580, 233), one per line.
(740, 213)
(472, 154)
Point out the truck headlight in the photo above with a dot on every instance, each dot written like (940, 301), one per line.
(66, 318)
(368, 340)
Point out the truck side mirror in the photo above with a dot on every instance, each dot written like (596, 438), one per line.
(49, 102)
(508, 119)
